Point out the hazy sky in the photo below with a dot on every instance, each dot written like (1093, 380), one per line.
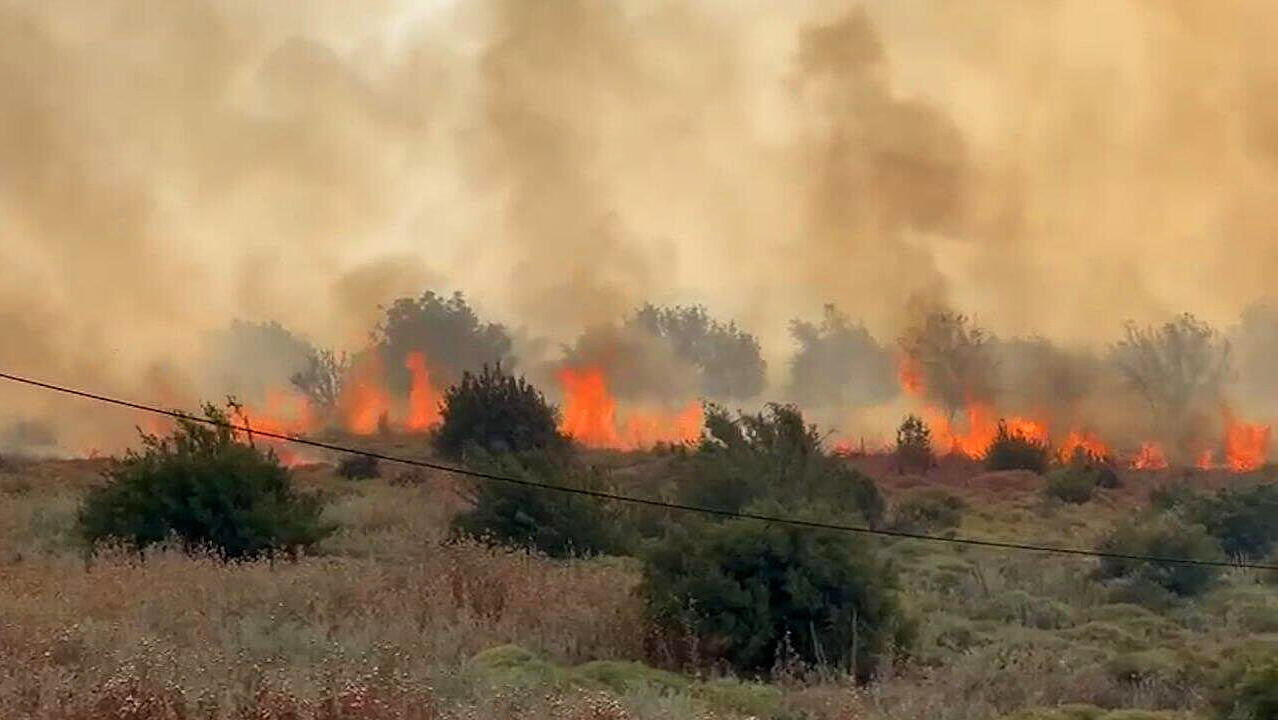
(1052, 168)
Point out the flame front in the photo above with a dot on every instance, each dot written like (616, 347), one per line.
(365, 400)
(423, 398)
(1084, 440)
(1150, 457)
(590, 416)
(1246, 446)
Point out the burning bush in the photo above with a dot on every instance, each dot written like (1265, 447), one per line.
(1161, 537)
(754, 593)
(556, 523)
(771, 455)
(947, 359)
(838, 364)
(496, 412)
(321, 379)
(449, 334)
(1014, 450)
(209, 488)
(913, 445)
(727, 358)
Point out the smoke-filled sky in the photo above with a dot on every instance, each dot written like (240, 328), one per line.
(1051, 168)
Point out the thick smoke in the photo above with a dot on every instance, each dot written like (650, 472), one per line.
(1053, 169)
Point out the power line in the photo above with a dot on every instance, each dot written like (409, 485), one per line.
(614, 497)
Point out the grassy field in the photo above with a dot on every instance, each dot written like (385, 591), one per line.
(389, 620)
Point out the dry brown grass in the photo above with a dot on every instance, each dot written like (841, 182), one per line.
(383, 621)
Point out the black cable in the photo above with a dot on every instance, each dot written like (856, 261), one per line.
(600, 495)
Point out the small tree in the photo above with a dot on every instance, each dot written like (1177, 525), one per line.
(497, 412)
(321, 379)
(207, 486)
(1176, 367)
(1014, 450)
(913, 445)
(751, 592)
(951, 356)
(838, 364)
(447, 331)
(556, 523)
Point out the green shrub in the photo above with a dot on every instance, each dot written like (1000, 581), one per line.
(772, 455)
(1248, 688)
(208, 487)
(556, 523)
(1070, 485)
(1162, 537)
(1014, 450)
(928, 511)
(913, 445)
(1144, 666)
(359, 467)
(498, 413)
(1244, 520)
(754, 592)
(1021, 608)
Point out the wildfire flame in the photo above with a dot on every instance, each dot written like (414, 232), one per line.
(1150, 457)
(365, 400)
(1246, 446)
(423, 398)
(590, 416)
(1084, 440)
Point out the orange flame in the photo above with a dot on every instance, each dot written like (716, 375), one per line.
(1246, 446)
(365, 400)
(1150, 457)
(590, 416)
(423, 398)
(1206, 459)
(1084, 440)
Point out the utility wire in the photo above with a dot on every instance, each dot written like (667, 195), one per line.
(600, 495)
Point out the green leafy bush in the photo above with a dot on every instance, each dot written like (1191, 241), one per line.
(771, 455)
(556, 523)
(359, 467)
(753, 592)
(726, 357)
(1248, 688)
(913, 445)
(928, 510)
(1244, 520)
(498, 413)
(1014, 450)
(1162, 537)
(1071, 485)
(208, 487)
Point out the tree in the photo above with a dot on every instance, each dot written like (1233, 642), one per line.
(913, 445)
(727, 358)
(951, 359)
(1177, 367)
(497, 412)
(446, 331)
(556, 523)
(838, 364)
(321, 379)
(753, 592)
(208, 486)
(772, 455)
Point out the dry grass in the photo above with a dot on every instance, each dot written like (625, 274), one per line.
(383, 621)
